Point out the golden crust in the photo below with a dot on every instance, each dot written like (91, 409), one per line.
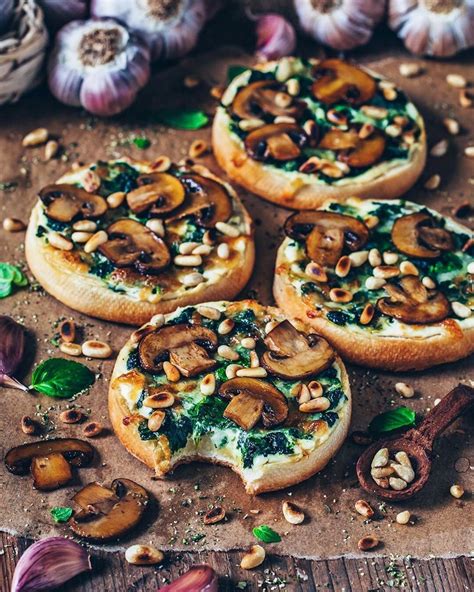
(278, 476)
(279, 187)
(65, 277)
(386, 353)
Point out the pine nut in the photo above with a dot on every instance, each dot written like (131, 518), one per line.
(97, 239)
(364, 508)
(358, 258)
(428, 283)
(90, 181)
(35, 137)
(158, 320)
(187, 248)
(93, 429)
(155, 420)
(465, 99)
(208, 384)
(28, 425)
(367, 314)
(253, 558)
(374, 112)
(282, 100)
(198, 148)
(469, 151)
(405, 390)
(433, 182)
(452, 126)
(316, 272)
(251, 373)
(310, 128)
(270, 326)
(67, 330)
(227, 353)
(315, 405)
(58, 241)
(373, 283)
(456, 491)
(403, 517)
(115, 200)
(96, 349)
(440, 148)
(70, 349)
(51, 149)
(304, 394)
(284, 119)
(315, 389)
(404, 472)
(381, 472)
(71, 416)
(456, 80)
(192, 279)
(461, 310)
(216, 92)
(214, 515)
(225, 326)
(343, 266)
(410, 70)
(223, 251)
(407, 268)
(13, 225)
(248, 343)
(383, 483)
(247, 125)
(386, 271)
(231, 370)
(209, 312)
(156, 226)
(172, 373)
(159, 400)
(293, 87)
(397, 483)
(340, 295)
(394, 131)
(254, 361)
(380, 459)
(80, 237)
(367, 543)
(371, 221)
(292, 513)
(336, 117)
(470, 268)
(227, 229)
(374, 257)
(390, 93)
(366, 130)
(85, 226)
(202, 250)
(161, 164)
(143, 555)
(188, 260)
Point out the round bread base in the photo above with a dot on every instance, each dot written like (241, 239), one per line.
(284, 189)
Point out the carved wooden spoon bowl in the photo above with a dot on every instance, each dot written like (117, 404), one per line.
(417, 443)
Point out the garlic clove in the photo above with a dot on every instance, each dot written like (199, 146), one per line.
(275, 37)
(199, 578)
(48, 564)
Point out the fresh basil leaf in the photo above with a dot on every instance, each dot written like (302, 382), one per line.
(61, 514)
(6, 288)
(266, 534)
(61, 378)
(394, 419)
(180, 119)
(234, 71)
(10, 276)
(142, 143)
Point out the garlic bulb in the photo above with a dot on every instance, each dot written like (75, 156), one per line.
(58, 12)
(341, 24)
(170, 27)
(6, 14)
(433, 27)
(99, 65)
(275, 37)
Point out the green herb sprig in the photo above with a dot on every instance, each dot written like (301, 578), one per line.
(11, 277)
(182, 119)
(266, 534)
(60, 378)
(401, 417)
(61, 514)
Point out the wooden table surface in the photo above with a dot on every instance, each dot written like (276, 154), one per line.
(374, 574)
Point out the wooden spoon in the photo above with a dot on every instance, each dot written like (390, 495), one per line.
(417, 443)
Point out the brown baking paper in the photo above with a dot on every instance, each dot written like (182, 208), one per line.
(332, 528)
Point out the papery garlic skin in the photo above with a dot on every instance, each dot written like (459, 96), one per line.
(170, 27)
(59, 12)
(275, 37)
(199, 578)
(99, 65)
(438, 28)
(48, 564)
(341, 24)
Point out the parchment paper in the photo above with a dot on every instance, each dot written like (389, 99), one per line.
(443, 525)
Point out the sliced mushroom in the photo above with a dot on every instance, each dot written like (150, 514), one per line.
(131, 244)
(410, 302)
(160, 193)
(278, 141)
(260, 98)
(418, 235)
(336, 81)
(206, 200)
(293, 355)
(64, 203)
(354, 151)
(255, 399)
(327, 234)
(108, 513)
(186, 346)
(49, 460)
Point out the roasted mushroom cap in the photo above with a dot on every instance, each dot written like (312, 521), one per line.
(354, 151)
(252, 399)
(186, 346)
(206, 200)
(160, 193)
(410, 302)
(132, 244)
(293, 355)
(108, 513)
(260, 98)
(418, 235)
(66, 202)
(49, 460)
(336, 81)
(278, 141)
(326, 234)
